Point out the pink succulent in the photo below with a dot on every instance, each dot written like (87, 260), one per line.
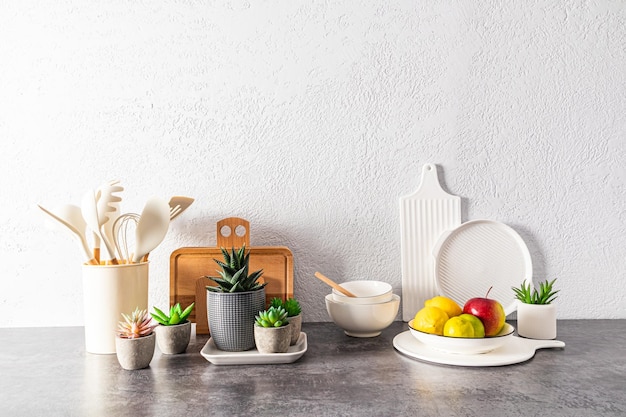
(138, 324)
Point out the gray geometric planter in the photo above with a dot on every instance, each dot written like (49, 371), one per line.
(231, 318)
(135, 353)
(296, 328)
(272, 339)
(173, 339)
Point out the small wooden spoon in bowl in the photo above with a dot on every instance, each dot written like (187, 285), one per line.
(334, 285)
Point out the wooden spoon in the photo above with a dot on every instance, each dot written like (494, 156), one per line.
(334, 285)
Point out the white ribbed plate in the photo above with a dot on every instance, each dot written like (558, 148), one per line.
(480, 254)
(424, 215)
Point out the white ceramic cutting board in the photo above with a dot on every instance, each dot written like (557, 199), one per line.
(424, 216)
(516, 350)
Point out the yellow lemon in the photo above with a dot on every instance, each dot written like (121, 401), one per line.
(479, 328)
(460, 326)
(430, 320)
(448, 305)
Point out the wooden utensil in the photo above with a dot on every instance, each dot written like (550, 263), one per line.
(334, 285)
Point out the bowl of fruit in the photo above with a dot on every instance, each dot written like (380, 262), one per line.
(478, 327)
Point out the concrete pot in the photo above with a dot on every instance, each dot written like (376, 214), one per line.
(135, 353)
(173, 339)
(296, 328)
(272, 339)
(231, 318)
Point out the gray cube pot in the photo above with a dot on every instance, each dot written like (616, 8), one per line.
(173, 339)
(135, 353)
(231, 318)
(296, 328)
(272, 339)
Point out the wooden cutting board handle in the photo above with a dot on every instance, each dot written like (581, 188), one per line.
(202, 321)
(233, 232)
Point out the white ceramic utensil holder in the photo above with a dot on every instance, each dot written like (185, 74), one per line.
(109, 291)
(536, 321)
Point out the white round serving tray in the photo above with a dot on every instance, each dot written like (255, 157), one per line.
(478, 255)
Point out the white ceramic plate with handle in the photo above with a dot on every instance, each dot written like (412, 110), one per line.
(515, 350)
(479, 255)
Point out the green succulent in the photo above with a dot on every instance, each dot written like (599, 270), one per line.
(234, 275)
(272, 317)
(176, 316)
(276, 302)
(529, 295)
(291, 305)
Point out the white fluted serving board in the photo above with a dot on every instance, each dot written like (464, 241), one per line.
(424, 216)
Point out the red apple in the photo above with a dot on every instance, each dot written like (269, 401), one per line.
(489, 311)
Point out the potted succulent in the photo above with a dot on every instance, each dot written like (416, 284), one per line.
(272, 331)
(234, 302)
(294, 315)
(134, 342)
(174, 330)
(536, 315)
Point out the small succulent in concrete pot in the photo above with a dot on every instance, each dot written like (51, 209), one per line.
(294, 315)
(272, 331)
(135, 340)
(174, 332)
(536, 315)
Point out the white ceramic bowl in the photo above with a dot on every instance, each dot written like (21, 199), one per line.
(363, 320)
(464, 345)
(367, 292)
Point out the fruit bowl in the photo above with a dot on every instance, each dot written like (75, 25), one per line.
(367, 292)
(464, 345)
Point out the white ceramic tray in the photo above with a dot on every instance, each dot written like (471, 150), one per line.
(253, 357)
(516, 350)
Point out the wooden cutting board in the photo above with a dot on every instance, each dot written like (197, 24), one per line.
(189, 265)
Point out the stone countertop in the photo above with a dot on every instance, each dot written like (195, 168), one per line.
(46, 371)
